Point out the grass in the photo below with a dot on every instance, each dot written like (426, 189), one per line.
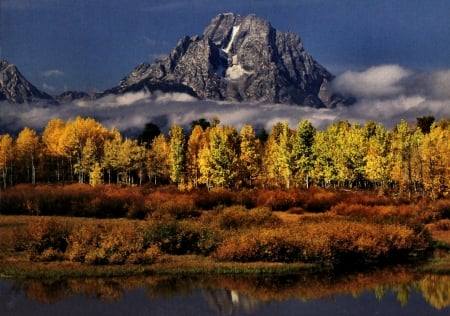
(168, 265)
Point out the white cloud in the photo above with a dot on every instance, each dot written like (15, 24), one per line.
(440, 85)
(53, 73)
(48, 87)
(375, 82)
(421, 94)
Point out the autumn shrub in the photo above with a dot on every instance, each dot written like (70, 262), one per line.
(320, 200)
(247, 198)
(113, 244)
(442, 207)
(208, 200)
(296, 210)
(44, 238)
(443, 224)
(18, 200)
(336, 242)
(364, 198)
(410, 214)
(280, 200)
(176, 205)
(236, 217)
(182, 237)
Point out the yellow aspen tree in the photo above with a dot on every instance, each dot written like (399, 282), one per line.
(27, 148)
(271, 168)
(406, 162)
(111, 155)
(435, 152)
(53, 148)
(76, 135)
(131, 160)
(249, 155)
(158, 167)
(377, 157)
(325, 153)
(177, 146)
(6, 158)
(196, 141)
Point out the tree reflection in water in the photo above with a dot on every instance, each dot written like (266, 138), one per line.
(227, 295)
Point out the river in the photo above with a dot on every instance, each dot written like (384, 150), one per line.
(394, 291)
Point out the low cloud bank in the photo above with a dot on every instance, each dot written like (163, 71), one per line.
(385, 94)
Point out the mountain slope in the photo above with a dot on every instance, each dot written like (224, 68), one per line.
(241, 59)
(15, 89)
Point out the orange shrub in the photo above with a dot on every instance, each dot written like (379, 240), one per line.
(236, 217)
(335, 242)
(178, 206)
(320, 200)
(279, 200)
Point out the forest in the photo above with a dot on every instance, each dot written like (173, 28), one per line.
(408, 159)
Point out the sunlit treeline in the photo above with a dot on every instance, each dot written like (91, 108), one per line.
(408, 159)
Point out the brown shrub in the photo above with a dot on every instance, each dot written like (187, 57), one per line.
(279, 200)
(236, 217)
(44, 238)
(205, 200)
(442, 207)
(443, 224)
(178, 206)
(320, 200)
(336, 242)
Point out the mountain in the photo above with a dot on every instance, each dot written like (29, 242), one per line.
(138, 80)
(69, 96)
(14, 88)
(240, 58)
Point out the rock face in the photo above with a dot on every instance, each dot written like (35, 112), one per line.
(241, 59)
(14, 88)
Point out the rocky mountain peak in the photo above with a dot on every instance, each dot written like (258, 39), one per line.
(14, 88)
(241, 58)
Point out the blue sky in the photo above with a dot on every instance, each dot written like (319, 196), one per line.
(91, 44)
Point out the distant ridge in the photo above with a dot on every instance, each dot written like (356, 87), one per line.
(16, 89)
(237, 58)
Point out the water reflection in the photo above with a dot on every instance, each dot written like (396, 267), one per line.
(231, 295)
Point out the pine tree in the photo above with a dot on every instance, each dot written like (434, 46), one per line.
(303, 161)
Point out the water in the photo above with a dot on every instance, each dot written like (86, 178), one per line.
(381, 292)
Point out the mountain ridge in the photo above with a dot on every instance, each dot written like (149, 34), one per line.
(236, 58)
(242, 58)
(15, 88)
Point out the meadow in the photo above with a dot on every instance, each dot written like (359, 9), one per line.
(79, 225)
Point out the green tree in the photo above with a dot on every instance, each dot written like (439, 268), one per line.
(149, 133)
(303, 160)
